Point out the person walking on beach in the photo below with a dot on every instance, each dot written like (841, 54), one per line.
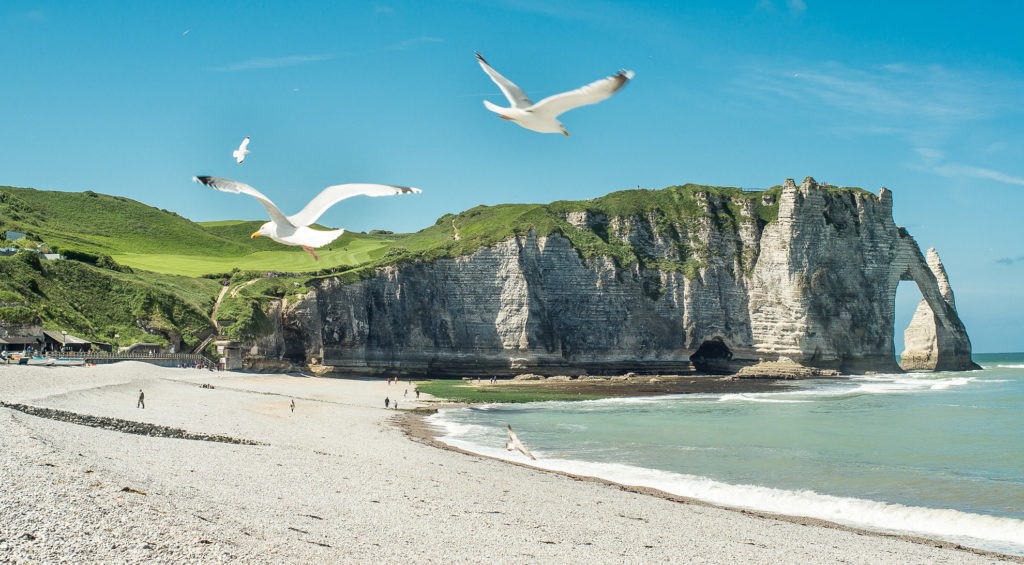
(142, 400)
(293, 405)
(387, 402)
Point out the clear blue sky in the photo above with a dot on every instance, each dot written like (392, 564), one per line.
(927, 99)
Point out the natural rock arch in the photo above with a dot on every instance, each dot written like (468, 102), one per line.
(936, 339)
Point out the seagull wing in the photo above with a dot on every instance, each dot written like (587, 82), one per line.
(515, 443)
(515, 95)
(590, 94)
(244, 145)
(333, 194)
(228, 185)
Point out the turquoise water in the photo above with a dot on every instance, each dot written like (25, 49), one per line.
(936, 454)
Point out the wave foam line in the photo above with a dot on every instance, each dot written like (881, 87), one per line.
(1007, 533)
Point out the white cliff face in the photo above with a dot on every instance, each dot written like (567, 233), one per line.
(816, 285)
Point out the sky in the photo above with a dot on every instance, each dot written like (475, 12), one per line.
(924, 98)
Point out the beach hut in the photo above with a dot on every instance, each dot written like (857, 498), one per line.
(63, 341)
(20, 342)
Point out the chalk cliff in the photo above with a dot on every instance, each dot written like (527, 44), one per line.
(806, 273)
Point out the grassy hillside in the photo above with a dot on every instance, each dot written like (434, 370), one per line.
(97, 303)
(92, 222)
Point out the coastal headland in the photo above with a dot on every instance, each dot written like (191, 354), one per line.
(336, 480)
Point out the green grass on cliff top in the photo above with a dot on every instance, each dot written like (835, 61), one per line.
(148, 238)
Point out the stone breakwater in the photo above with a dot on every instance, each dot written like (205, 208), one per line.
(816, 285)
(123, 426)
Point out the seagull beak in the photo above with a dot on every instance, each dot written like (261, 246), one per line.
(565, 132)
(504, 117)
(254, 235)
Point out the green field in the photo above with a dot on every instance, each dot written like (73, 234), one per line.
(351, 250)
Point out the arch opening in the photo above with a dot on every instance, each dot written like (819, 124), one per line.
(916, 345)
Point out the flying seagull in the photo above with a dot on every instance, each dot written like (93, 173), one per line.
(294, 229)
(542, 115)
(243, 150)
(514, 443)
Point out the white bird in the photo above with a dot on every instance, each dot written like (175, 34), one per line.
(243, 150)
(294, 229)
(542, 115)
(514, 443)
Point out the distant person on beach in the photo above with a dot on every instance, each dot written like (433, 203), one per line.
(417, 391)
(396, 405)
(142, 400)
(293, 405)
(387, 402)
(406, 393)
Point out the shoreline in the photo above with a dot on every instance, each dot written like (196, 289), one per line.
(414, 425)
(339, 479)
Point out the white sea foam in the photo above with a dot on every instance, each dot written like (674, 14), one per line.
(901, 384)
(633, 400)
(769, 397)
(1012, 366)
(991, 532)
(856, 386)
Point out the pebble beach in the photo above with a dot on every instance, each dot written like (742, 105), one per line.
(218, 468)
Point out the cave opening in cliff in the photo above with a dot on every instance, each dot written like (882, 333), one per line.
(713, 356)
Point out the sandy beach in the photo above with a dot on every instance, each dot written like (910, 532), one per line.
(337, 480)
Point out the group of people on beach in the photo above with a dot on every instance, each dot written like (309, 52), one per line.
(388, 403)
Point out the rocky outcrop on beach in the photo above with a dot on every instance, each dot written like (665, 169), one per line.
(813, 281)
(783, 369)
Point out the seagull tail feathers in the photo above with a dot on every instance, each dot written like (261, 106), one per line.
(493, 107)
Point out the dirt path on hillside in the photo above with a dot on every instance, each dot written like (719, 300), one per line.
(216, 305)
(234, 291)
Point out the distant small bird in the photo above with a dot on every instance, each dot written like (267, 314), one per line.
(542, 116)
(184, 33)
(514, 443)
(294, 229)
(243, 150)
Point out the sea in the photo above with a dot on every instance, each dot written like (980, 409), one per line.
(938, 455)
